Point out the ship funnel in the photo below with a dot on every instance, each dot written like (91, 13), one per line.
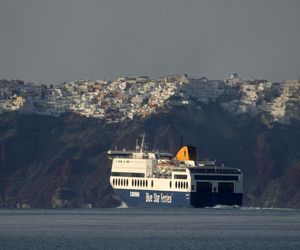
(186, 153)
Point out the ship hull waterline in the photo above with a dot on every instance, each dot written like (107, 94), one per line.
(171, 199)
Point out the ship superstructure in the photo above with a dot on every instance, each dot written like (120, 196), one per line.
(151, 179)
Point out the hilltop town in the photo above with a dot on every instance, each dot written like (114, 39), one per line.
(127, 97)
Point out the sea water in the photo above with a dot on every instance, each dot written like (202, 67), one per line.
(209, 228)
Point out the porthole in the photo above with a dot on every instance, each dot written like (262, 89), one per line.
(175, 184)
(118, 182)
(127, 182)
(132, 182)
(121, 182)
(152, 183)
(146, 183)
(170, 184)
(187, 185)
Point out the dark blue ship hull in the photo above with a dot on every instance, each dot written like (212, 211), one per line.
(155, 198)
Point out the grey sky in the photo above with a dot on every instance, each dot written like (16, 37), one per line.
(55, 40)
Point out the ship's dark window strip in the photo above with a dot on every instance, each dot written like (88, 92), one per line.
(127, 174)
(178, 170)
(217, 177)
(216, 170)
(180, 176)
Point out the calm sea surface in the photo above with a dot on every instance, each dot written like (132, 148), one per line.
(214, 228)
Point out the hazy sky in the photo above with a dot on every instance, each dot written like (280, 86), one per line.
(55, 40)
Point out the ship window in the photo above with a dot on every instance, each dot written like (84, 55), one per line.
(216, 170)
(146, 183)
(152, 183)
(175, 184)
(217, 177)
(170, 184)
(184, 185)
(125, 174)
(180, 176)
(132, 182)
(187, 185)
(118, 182)
(121, 182)
(127, 182)
(135, 183)
(178, 170)
(113, 182)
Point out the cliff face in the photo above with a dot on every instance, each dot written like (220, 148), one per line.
(61, 162)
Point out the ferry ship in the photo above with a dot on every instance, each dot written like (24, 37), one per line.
(144, 178)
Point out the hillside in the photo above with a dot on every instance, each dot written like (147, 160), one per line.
(48, 161)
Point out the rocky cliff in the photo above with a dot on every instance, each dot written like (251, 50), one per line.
(61, 161)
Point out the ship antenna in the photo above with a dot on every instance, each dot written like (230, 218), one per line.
(142, 143)
(137, 147)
